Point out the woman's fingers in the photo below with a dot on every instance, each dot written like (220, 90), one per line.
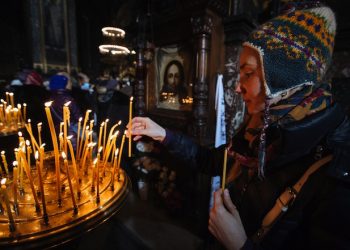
(228, 203)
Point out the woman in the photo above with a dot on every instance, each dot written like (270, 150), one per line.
(291, 124)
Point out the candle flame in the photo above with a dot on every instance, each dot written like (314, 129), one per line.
(69, 137)
(102, 124)
(27, 142)
(3, 152)
(43, 145)
(24, 104)
(80, 119)
(107, 120)
(39, 124)
(29, 121)
(125, 131)
(36, 155)
(48, 104)
(100, 149)
(120, 122)
(11, 94)
(20, 134)
(67, 103)
(64, 155)
(116, 152)
(15, 163)
(19, 106)
(3, 181)
(131, 99)
(95, 161)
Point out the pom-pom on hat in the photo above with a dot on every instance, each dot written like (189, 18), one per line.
(58, 82)
(295, 49)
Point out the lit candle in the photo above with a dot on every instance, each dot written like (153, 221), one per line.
(66, 121)
(74, 164)
(8, 208)
(114, 167)
(31, 182)
(29, 150)
(83, 133)
(224, 170)
(30, 132)
(15, 180)
(41, 184)
(100, 134)
(19, 107)
(78, 136)
(65, 163)
(24, 111)
(4, 162)
(12, 101)
(42, 156)
(56, 152)
(39, 132)
(105, 134)
(121, 150)
(130, 122)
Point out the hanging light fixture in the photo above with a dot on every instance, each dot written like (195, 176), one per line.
(114, 36)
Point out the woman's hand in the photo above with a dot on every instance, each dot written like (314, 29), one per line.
(225, 223)
(145, 126)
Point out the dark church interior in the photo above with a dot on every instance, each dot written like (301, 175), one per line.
(95, 63)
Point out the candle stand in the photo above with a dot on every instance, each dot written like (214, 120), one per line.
(33, 229)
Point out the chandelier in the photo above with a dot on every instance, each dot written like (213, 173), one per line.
(114, 36)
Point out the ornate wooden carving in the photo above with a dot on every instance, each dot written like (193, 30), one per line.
(202, 27)
(139, 87)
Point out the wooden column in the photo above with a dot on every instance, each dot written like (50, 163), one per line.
(139, 86)
(202, 28)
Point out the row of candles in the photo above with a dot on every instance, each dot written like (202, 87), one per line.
(81, 159)
(12, 116)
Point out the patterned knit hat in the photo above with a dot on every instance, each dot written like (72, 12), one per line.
(295, 50)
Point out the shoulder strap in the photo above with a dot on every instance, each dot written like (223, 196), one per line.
(286, 199)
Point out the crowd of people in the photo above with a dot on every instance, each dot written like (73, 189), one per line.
(102, 97)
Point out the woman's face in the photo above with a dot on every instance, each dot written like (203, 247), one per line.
(173, 76)
(250, 84)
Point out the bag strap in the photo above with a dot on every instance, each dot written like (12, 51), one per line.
(286, 199)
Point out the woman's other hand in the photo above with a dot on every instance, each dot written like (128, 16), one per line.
(225, 223)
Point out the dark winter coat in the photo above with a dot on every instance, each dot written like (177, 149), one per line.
(320, 216)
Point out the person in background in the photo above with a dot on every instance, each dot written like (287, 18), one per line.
(289, 185)
(61, 95)
(85, 95)
(33, 94)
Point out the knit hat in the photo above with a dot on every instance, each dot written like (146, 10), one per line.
(58, 82)
(34, 78)
(295, 49)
